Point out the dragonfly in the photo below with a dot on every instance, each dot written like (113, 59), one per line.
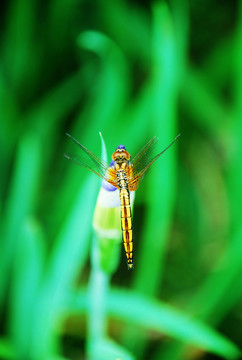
(123, 174)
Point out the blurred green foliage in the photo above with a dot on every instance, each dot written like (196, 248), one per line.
(131, 70)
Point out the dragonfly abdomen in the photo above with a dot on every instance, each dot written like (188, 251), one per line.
(126, 223)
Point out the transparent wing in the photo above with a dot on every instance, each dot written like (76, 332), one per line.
(92, 162)
(143, 160)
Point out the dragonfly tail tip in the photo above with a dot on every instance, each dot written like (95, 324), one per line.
(130, 266)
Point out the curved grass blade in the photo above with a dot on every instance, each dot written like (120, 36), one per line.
(66, 262)
(156, 316)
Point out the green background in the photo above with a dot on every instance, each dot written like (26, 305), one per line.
(131, 70)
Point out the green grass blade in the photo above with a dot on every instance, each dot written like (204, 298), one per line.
(156, 316)
(65, 263)
(27, 275)
(21, 199)
(105, 349)
(6, 349)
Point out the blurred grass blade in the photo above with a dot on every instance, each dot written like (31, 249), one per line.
(123, 31)
(208, 117)
(9, 129)
(21, 199)
(6, 349)
(60, 13)
(106, 349)
(45, 115)
(66, 262)
(27, 276)
(19, 40)
(98, 290)
(156, 316)
(112, 84)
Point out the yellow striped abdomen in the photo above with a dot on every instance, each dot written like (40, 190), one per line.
(126, 223)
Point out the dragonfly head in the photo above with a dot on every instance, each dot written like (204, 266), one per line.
(121, 154)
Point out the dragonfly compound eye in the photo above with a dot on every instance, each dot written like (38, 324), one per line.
(121, 155)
